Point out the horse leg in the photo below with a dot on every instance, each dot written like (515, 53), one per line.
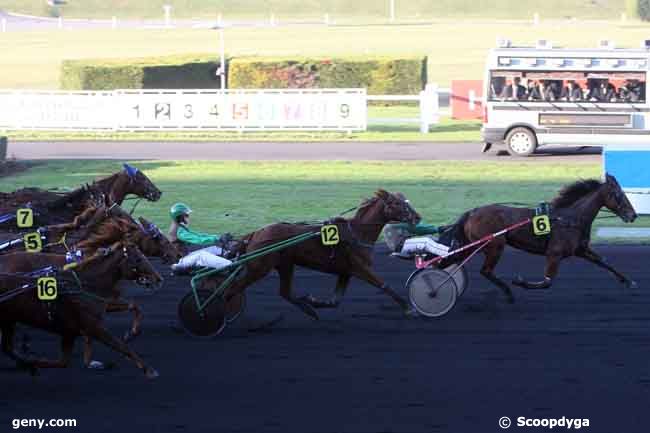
(286, 291)
(341, 286)
(117, 306)
(8, 334)
(363, 272)
(493, 252)
(32, 363)
(593, 257)
(97, 331)
(550, 272)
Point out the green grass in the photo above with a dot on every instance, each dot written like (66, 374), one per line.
(253, 194)
(32, 59)
(447, 131)
(405, 9)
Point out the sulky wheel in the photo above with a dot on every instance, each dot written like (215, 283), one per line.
(432, 291)
(207, 323)
(235, 307)
(460, 277)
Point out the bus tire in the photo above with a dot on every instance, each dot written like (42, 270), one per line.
(521, 142)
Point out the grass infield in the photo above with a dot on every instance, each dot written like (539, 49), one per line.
(242, 196)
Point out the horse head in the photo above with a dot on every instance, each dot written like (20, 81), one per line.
(136, 267)
(617, 201)
(139, 184)
(397, 208)
(154, 243)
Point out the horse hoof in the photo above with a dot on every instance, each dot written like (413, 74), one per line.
(518, 281)
(411, 312)
(151, 373)
(631, 284)
(129, 335)
(96, 365)
(307, 309)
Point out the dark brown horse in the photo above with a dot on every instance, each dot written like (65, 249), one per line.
(572, 214)
(352, 257)
(79, 308)
(56, 208)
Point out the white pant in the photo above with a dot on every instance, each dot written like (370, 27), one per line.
(424, 244)
(206, 257)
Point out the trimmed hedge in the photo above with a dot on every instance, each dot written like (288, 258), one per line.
(380, 75)
(171, 72)
(643, 9)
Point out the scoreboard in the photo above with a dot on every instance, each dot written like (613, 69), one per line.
(129, 110)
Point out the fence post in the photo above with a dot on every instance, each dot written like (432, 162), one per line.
(168, 11)
(4, 25)
(60, 23)
(429, 107)
(114, 23)
(3, 148)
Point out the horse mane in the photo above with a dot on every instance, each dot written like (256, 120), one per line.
(379, 194)
(79, 193)
(574, 192)
(72, 196)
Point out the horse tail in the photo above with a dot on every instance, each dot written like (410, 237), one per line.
(459, 228)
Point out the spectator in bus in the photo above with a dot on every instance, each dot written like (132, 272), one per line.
(630, 91)
(571, 92)
(515, 91)
(542, 92)
(603, 92)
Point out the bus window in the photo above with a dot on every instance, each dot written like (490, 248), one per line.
(568, 86)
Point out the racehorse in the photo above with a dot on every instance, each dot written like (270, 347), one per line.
(105, 226)
(78, 310)
(54, 208)
(352, 257)
(572, 214)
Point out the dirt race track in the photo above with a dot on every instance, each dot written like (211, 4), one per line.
(579, 350)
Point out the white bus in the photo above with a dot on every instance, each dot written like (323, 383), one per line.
(544, 95)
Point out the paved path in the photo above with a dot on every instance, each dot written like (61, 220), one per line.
(284, 151)
(579, 350)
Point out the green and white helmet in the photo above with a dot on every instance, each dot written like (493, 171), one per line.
(179, 209)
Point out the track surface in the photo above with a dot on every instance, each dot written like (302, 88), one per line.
(579, 350)
(348, 151)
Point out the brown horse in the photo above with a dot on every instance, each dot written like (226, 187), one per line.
(56, 208)
(352, 257)
(572, 214)
(95, 228)
(105, 228)
(79, 308)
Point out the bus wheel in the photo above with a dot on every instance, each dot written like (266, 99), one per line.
(521, 142)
